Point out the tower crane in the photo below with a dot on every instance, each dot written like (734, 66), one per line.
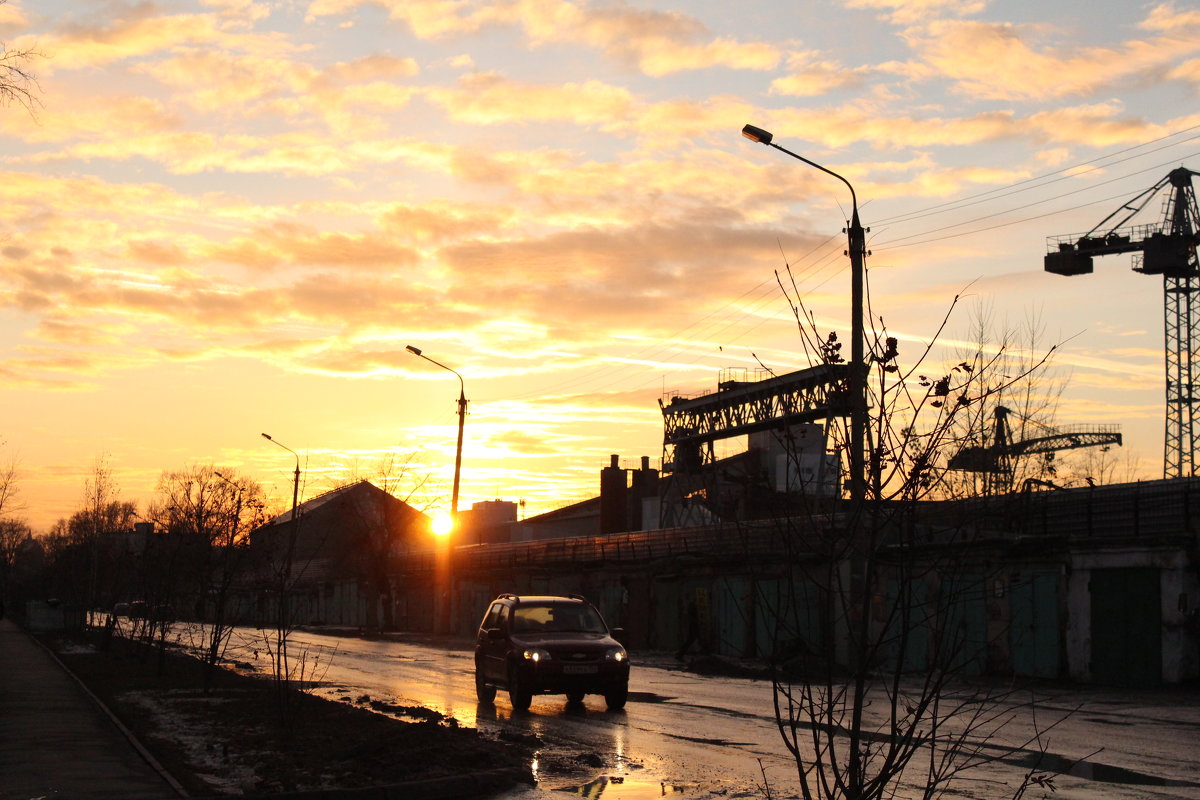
(1167, 249)
(995, 459)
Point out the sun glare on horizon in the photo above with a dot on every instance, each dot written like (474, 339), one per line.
(443, 524)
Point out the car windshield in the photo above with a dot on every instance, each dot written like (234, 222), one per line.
(557, 618)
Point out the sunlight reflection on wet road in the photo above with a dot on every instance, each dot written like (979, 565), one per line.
(688, 736)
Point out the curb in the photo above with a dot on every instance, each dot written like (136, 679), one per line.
(175, 785)
(465, 786)
(468, 786)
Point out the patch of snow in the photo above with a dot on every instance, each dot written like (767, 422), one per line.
(174, 717)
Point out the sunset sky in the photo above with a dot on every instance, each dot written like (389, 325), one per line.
(228, 217)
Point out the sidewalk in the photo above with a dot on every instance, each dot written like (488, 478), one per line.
(55, 741)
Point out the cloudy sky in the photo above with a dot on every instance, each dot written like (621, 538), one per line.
(227, 217)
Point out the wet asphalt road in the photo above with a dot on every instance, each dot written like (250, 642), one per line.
(689, 736)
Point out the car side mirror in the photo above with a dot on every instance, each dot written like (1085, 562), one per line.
(495, 634)
(617, 633)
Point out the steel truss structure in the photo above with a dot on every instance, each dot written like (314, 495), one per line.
(1169, 250)
(692, 425)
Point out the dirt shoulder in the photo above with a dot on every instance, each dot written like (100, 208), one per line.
(243, 737)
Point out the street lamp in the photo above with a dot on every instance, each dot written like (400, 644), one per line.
(858, 378)
(462, 417)
(296, 478)
(282, 669)
(446, 612)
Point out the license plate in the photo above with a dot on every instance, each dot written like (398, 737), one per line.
(580, 669)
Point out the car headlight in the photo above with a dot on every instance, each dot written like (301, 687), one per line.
(536, 654)
(616, 654)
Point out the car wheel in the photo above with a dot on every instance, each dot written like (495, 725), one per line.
(518, 693)
(615, 698)
(484, 692)
(574, 698)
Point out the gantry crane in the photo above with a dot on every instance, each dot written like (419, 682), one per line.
(995, 459)
(1167, 249)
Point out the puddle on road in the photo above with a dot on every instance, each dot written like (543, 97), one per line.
(703, 740)
(1092, 771)
(610, 787)
(648, 697)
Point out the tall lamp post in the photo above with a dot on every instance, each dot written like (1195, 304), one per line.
(858, 377)
(296, 475)
(443, 619)
(462, 417)
(282, 669)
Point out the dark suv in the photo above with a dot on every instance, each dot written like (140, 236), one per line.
(549, 645)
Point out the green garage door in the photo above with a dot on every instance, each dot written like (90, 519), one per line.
(1034, 635)
(1126, 626)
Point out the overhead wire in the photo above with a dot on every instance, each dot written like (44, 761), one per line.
(1061, 174)
(815, 262)
(894, 243)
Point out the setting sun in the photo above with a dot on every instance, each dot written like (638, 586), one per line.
(442, 524)
(222, 217)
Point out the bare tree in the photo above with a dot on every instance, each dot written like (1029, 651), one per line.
(205, 514)
(14, 533)
(374, 531)
(17, 82)
(1100, 465)
(92, 530)
(873, 638)
(9, 485)
(1028, 405)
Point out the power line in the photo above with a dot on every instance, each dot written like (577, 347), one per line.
(814, 264)
(891, 244)
(1065, 173)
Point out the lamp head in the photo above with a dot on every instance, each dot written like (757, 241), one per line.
(416, 351)
(267, 436)
(757, 134)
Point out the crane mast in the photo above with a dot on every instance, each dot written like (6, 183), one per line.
(1169, 250)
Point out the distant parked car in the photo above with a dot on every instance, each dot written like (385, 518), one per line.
(549, 645)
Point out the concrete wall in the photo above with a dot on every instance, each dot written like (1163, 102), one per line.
(1179, 591)
(1029, 610)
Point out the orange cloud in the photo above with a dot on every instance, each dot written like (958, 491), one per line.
(1165, 17)
(1009, 62)
(290, 244)
(12, 18)
(142, 32)
(428, 19)
(659, 58)
(245, 12)
(656, 42)
(225, 81)
(440, 221)
(1187, 71)
(810, 75)
(487, 98)
(373, 68)
(90, 117)
(907, 12)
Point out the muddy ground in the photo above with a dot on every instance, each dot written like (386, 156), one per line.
(244, 736)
